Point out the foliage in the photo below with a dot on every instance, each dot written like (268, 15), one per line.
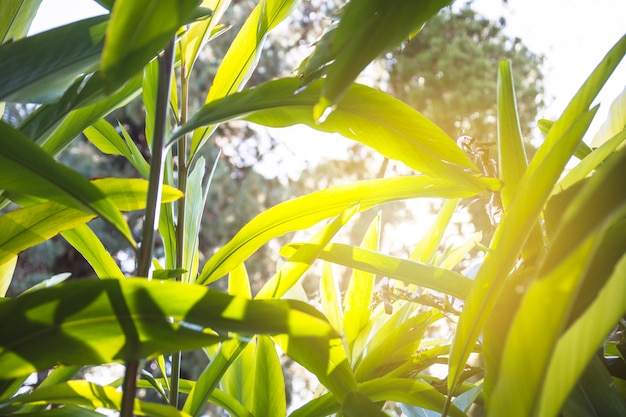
(447, 73)
(548, 292)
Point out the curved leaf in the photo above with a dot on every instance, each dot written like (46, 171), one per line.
(304, 212)
(38, 69)
(366, 115)
(410, 272)
(615, 122)
(88, 394)
(101, 321)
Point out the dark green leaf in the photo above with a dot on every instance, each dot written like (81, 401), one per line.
(16, 17)
(40, 68)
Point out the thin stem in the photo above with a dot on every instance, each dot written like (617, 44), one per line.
(180, 221)
(144, 257)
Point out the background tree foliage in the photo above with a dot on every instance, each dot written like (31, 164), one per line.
(447, 73)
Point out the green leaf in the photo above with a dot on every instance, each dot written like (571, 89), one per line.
(304, 212)
(358, 296)
(219, 371)
(16, 17)
(243, 55)
(101, 321)
(580, 342)
(532, 192)
(269, 383)
(330, 297)
(614, 123)
(40, 68)
(366, 29)
(595, 394)
(426, 248)
(201, 32)
(410, 272)
(137, 31)
(6, 274)
(408, 391)
(26, 168)
(85, 241)
(87, 394)
(300, 261)
(366, 115)
(357, 404)
(198, 190)
(29, 226)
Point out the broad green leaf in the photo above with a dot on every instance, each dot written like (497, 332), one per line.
(239, 282)
(6, 274)
(85, 241)
(366, 115)
(366, 29)
(615, 122)
(304, 212)
(269, 383)
(40, 68)
(359, 293)
(243, 55)
(101, 321)
(580, 342)
(408, 391)
(137, 31)
(530, 196)
(426, 248)
(405, 270)
(300, 261)
(88, 394)
(16, 17)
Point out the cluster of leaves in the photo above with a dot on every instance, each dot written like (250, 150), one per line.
(550, 289)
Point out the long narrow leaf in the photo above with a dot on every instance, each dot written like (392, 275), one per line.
(306, 211)
(85, 241)
(410, 272)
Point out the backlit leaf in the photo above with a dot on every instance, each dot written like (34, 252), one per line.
(16, 17)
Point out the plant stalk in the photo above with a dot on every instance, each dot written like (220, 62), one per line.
(180, 221)
(144, 257)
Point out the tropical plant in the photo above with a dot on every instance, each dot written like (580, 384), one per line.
(550, 288)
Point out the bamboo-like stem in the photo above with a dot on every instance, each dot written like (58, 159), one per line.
(180, 221)
(144, 257)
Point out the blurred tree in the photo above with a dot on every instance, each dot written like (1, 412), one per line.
(462, 98)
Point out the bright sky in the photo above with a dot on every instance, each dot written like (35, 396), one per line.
(573, 35)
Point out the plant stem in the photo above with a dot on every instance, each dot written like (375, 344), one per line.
(180, 221)
(144, 257)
